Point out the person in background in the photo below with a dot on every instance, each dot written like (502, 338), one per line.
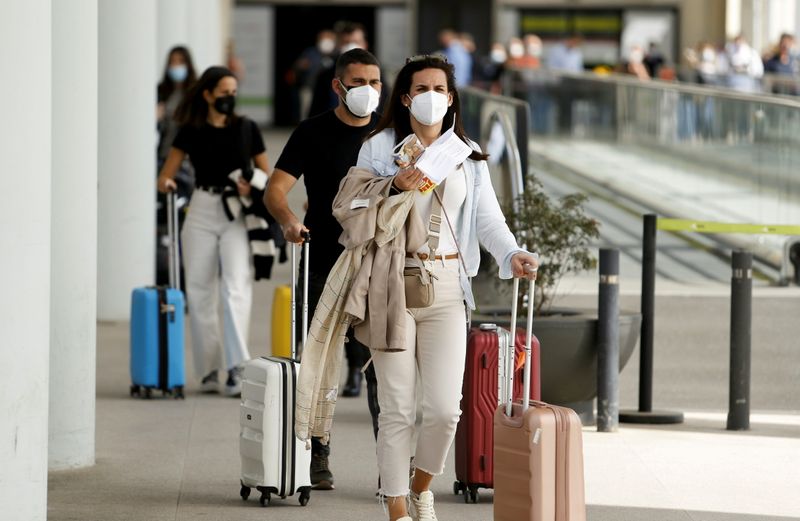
(566, 56)
(217, 254)
(308, 65)
(457, 55)
(490, 68)
(635, 64)
(704, 60)
(232, 60)
(179, 75)
(784, 62)
(321, 150)
(744, 66)
(533, 47)
(653, 60)
(349, 36)
(425, 102)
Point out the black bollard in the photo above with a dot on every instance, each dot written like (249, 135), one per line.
(608, 342)
(648, 313)
(645, 413)
(741, 332)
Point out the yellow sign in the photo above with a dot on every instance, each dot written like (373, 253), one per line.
(686, 225)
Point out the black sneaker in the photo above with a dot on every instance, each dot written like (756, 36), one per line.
(233, 385)
(321, 476)
(210, 383)
(352, 388)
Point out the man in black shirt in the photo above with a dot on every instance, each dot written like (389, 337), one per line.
(322, 149)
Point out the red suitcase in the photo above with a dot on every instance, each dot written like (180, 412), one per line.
(483, 375)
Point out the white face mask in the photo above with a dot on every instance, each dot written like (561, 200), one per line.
(326, 45)
(429, 108)
(535, 50)
(516, 50)
(361, 101)
(498, 56)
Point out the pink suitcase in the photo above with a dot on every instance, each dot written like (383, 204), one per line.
(538, 455)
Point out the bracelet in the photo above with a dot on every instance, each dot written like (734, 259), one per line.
(393, 190)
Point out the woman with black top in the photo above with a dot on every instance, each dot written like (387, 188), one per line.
(216, 249)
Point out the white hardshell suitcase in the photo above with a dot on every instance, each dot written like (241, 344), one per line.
(274, 460)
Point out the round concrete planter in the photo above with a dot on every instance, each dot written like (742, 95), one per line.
(569, 355)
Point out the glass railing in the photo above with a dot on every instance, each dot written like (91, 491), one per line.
(755, 138)
(500, 126)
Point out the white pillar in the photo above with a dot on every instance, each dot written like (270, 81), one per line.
(205, 33)
(25, 149)
(126, 153)
(733, 18)
(73, 295)
(173, 29)
(200, 25)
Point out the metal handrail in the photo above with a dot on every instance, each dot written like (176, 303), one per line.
(656, 84)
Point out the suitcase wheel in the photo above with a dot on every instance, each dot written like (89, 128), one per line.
(244, 492)
(264, 499)
(148, 393)
(305, 495)
(136, 390)
(458, 487)
(178, 393)
(471, 495)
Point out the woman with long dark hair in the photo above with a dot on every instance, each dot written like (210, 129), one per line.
(179, 75)
(217, 254)
(425, 103)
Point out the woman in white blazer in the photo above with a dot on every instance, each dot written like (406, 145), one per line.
(425, 102)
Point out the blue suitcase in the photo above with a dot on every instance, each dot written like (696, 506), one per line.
(157, 329)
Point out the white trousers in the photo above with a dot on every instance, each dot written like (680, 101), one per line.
(434, 357)
(218, 265)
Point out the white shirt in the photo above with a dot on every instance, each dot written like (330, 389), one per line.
(455, 193)
(480, 219)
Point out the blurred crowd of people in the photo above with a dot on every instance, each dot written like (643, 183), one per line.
(739, 66)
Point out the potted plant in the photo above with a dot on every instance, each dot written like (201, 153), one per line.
(562, 234)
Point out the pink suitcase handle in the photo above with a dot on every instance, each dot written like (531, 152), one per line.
(509, 387)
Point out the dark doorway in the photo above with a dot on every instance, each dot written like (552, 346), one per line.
(296, 28)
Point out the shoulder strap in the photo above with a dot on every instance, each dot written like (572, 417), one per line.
(435, 221)
(247, 146)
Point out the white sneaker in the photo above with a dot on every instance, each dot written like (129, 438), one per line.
(422, 506)
(210, 383)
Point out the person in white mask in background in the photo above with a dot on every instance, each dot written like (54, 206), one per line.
(349, 36)
(321, 150)
(425, 103)
(745, 68)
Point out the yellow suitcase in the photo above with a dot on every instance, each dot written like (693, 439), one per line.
(282, 322)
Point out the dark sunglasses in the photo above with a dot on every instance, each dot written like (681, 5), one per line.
(421, 57)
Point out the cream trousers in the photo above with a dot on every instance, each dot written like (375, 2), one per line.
(218, 266)
(434, 359)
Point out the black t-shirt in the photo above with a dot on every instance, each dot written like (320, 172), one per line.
(215, 152)
(322, 149)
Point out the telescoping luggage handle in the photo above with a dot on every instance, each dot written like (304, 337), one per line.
(509, 388)
(306, 239)
(174, 244)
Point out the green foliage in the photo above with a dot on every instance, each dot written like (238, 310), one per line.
(558, 230)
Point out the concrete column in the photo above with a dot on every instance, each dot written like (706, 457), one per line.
(733, 18)
(73, 295)
(202, 25)
(173, 29)
(25, 149)
(205, 33)
(126, 153)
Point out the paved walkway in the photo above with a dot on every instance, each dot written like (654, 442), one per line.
(178, 460)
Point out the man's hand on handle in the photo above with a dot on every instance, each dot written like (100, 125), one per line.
(293, 231)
